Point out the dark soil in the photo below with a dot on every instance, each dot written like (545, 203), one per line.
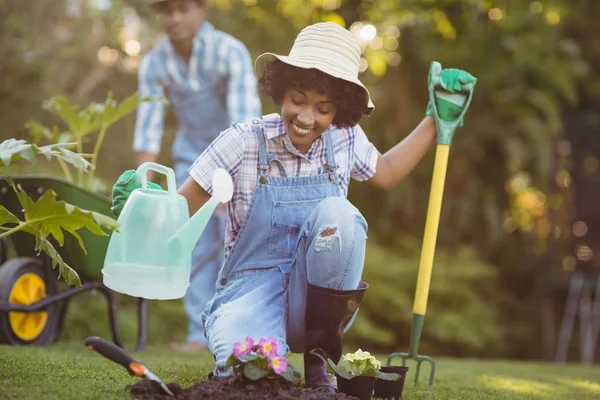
(232, 388)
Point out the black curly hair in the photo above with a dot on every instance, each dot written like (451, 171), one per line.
(349, 98)
(159, 6)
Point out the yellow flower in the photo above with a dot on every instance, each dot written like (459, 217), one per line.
(375, 362)
(362, 355)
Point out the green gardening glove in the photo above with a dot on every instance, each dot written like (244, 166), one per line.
(127, 182)
(450, 103)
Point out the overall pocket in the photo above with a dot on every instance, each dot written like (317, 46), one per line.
(287, 219)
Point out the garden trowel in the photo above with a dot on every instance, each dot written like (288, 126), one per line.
(118, 355)
(452, 97)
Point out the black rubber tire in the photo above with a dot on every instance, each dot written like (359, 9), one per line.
(3, 250)
(10, 271)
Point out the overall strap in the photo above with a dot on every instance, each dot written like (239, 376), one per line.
(331, 164)
(263, 164)
(271, 158)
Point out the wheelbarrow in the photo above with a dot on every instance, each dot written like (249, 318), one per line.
(32, 309)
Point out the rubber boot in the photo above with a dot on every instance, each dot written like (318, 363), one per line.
(328, 312)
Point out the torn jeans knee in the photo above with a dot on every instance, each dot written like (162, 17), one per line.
(328, 235)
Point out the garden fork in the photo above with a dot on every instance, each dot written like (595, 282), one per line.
(445, 132)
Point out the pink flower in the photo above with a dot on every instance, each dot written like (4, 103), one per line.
(278, 364)
(268, 347)
(242, 348)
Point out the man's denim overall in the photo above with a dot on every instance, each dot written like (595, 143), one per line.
(201, 116)
(261, 289)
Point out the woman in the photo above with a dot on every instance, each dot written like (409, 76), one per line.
(295, 246)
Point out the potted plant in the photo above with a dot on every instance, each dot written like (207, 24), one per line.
(261, 360)
(357, 372)
(391, 389)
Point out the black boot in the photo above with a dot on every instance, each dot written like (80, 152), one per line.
(328, 311)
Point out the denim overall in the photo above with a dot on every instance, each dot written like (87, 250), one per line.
(261, 289)
(201, 115)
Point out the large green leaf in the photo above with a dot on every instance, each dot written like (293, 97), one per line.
(73, 158)
(13, 149)
(253, 372)
(6, 217)
(68, 274)
(48, 216)
(291, 374)
(80, 123)
(39, 131)
(341, 371)
(111, 112)
(232, 361)
(388, 376)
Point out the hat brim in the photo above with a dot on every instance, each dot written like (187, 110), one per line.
(262, 62)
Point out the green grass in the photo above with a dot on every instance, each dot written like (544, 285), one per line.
(69, 371)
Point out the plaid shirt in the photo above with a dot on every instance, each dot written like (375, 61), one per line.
(236, 150)
(162, 68)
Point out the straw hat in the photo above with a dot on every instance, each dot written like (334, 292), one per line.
(325, 46)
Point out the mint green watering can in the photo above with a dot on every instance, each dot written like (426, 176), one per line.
(151, 254)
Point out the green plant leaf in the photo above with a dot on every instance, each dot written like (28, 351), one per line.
(47, 214)
(113, 112)
(232, 361)
(6, 217)
(49, 217)
(253, 372)
(13, 149)
(292, 375)
(80, 123)
(388, 376)
(69, 114)
(74, 159)
(369, 371)
(249, 357)
(39, 131)
(341, 371)
(68, 274)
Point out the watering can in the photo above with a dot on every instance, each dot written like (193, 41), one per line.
(151, 254)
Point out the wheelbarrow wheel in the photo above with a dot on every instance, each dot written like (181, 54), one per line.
(25, 281)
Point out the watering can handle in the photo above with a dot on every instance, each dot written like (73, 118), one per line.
(145, 167)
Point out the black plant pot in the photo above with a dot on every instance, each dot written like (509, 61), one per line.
(360, 386)
(391, 389)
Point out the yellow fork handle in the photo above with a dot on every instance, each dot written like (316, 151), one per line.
(431, 228)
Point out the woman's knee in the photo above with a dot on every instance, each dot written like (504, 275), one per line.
(336, 217)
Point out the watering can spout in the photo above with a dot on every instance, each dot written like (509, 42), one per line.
(182, 243)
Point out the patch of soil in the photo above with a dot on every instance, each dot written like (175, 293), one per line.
(233, 388)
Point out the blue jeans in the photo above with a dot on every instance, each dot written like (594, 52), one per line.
(271, 301)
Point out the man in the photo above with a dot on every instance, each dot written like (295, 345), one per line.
(208, 77)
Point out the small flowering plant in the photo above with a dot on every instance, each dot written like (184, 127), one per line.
(261, 360)
(360, 363)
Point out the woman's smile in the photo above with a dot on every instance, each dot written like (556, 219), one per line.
(301, 131)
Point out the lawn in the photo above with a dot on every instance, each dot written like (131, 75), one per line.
(69, 371)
